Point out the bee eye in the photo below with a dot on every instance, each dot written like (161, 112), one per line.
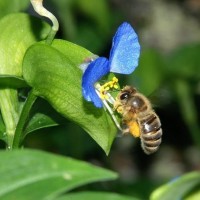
(124, 96)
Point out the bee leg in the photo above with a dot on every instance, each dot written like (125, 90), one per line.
(125, 130)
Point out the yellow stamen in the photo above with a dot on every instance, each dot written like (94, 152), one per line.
(107, 86)
(116, 86)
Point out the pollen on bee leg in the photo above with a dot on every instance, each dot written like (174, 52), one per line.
(119, 109)
(134, 128)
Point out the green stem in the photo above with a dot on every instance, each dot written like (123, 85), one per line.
(9, 111)
(51, 36)
(22, 120)
(42, 11)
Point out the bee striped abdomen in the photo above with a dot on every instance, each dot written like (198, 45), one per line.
(151, 133)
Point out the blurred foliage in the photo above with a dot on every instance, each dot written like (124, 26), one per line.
(172, 81)
(149, 74)
(11, 6)
(50, 176)
(178, 188)
(81, 23)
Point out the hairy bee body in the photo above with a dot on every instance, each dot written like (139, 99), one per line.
(139, 118)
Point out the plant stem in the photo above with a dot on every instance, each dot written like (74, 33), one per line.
(50, 36)
(38, 7)
(9, 111)
(22, 120)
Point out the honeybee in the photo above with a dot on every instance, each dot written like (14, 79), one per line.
(139, 118)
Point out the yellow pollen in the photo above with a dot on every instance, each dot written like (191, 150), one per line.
(107, 86)
(115, 79)
(116, 86)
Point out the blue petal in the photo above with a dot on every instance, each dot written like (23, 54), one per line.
(96, 69)
(125, 50)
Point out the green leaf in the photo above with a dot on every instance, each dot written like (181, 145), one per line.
(96, 196)
(18, 32)
(73, 52)
(7, 81)
(11, 6)
(39, 121)
(178, 188)
(58, 79)
(148, 75)
(42, 116)
(30, 174)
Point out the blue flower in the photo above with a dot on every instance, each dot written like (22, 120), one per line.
(123, 59)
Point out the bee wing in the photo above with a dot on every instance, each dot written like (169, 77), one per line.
(159, 97)
(125, 50)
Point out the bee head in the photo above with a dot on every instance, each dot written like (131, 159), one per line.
(126, 93)
(124, 96)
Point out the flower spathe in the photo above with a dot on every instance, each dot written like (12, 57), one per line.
(123, 59)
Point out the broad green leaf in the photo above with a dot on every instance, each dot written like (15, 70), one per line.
(178, 188)
(56, 78)
(39, 121)
(185, 62)
(11, 6)
(96, 196)
(73, 52)
(30, 174)
(7, 81)
(148, 75)
(42, 116)
(18, 32)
